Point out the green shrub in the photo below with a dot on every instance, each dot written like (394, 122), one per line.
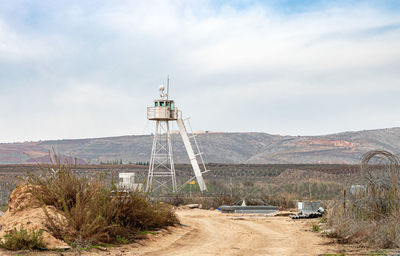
(22, 239)
(148, 232)
(316, 228)
(121, 240)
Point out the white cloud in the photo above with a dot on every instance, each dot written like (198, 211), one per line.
(89, 95)
(16, 48)
(82, 59)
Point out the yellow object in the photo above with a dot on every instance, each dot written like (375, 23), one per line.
(192, 182)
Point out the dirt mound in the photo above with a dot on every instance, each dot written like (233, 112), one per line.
(24, 209)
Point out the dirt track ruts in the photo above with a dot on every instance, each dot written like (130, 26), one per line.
(214, 233)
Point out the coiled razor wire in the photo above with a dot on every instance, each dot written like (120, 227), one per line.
(380, 168)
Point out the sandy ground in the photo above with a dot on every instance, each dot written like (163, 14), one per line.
(214, 233)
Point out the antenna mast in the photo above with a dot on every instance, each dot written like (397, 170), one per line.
(167, 87)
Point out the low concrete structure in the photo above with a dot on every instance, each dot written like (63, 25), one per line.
(127, 181)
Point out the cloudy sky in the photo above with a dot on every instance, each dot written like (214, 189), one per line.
(78, 69)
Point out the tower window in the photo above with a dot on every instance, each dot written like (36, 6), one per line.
(156, 104)
(161, 103)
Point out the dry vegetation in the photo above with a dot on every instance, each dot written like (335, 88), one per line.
(371, 216)
(95, 212)
(367, 220)
(92, 212)
(284, 195)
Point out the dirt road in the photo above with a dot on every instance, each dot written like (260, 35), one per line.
(214, 233)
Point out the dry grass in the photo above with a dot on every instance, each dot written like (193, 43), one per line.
(92, 212)
(282, 200)
(371, 220)
(283, 195)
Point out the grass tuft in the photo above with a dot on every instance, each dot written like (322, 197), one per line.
(316, 228)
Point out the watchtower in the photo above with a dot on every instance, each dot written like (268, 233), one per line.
(161, 166)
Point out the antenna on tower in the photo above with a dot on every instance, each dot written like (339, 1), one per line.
(167, 87)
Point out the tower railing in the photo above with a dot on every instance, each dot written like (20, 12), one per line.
(162, 113)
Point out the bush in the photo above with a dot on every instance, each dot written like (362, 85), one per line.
(22, 239)
(92, 212)
(367, 220)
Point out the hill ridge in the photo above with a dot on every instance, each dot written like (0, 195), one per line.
(219, 147)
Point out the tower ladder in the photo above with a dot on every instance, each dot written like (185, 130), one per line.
(192, 155)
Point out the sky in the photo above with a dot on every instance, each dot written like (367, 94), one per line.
(84, 69)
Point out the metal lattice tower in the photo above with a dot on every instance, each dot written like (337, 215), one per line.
(161, 167)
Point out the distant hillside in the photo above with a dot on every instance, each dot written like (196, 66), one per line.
(344, 148)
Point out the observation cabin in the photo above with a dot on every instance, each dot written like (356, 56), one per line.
(163, 109)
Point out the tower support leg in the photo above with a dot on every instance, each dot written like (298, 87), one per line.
(161, 174)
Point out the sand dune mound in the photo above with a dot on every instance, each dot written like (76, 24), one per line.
(24, 209)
